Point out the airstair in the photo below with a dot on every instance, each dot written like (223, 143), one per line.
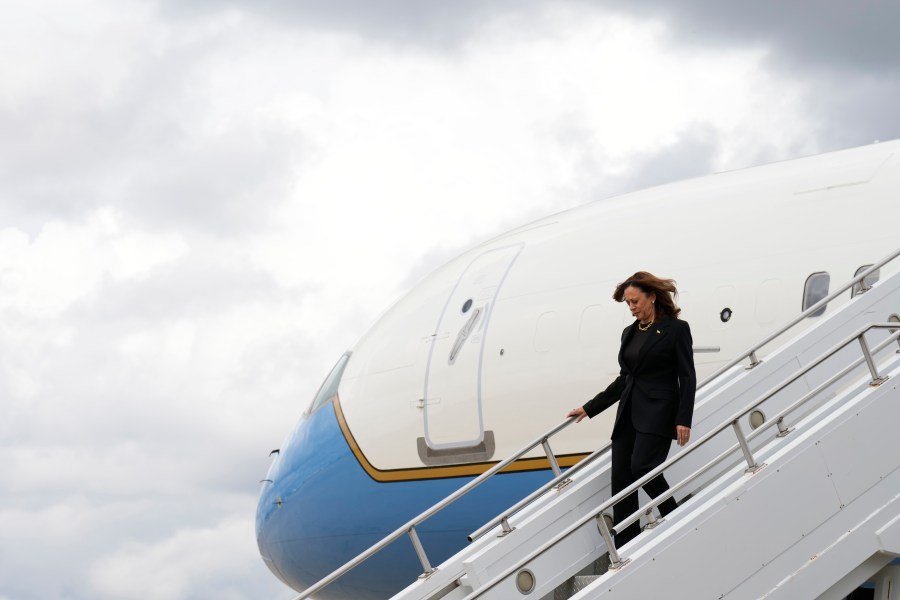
(790, 487)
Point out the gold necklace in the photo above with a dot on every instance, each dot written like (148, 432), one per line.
(645, 327)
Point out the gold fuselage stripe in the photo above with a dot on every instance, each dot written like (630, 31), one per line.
(442, 472)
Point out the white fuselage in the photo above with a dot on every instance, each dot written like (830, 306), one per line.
(497, 345)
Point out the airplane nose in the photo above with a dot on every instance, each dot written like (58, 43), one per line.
(318, 509)
(319, 506)
(311, 518)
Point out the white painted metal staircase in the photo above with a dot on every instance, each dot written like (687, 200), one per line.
(789, 489)
(806, 505)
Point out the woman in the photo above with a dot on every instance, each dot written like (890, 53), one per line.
(655, 390)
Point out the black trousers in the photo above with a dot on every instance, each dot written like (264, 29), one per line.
(634, 454)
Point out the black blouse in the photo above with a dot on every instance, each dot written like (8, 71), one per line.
(630, 354)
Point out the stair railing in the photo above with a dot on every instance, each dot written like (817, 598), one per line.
(409, 529)
(597, 514)
(751, 353)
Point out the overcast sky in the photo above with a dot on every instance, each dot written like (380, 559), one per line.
(203, 203)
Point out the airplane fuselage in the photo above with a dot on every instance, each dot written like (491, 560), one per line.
(497, 345)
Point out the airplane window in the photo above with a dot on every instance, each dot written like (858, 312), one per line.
(815, 289)
(870, 279)
(330, 386)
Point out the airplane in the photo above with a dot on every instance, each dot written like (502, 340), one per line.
(496, 346)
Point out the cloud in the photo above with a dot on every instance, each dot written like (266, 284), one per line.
(525, 120)
(844, 54)
(129, 124)
(193, 563)
(77, 557)
(139, 377)
(439, 26)
(831, 35)
(44, 276)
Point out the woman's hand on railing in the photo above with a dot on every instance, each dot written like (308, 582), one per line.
(577, 412)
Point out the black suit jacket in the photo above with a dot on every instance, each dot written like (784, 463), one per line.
(661, 386)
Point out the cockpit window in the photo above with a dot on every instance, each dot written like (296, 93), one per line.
(330, 386)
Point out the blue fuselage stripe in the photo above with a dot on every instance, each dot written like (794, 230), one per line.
(321, 509)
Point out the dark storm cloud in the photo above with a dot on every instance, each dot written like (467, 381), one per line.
(806, 35)
(857, 111)
(824, 34)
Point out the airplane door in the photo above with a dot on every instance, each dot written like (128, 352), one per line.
(452, 403)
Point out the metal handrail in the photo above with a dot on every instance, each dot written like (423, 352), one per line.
(778, 419)
(597, 514)
(503, 518)
(751, 353)
(556, 482)
(409, 528)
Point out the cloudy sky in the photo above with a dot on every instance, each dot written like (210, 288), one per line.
(204, 202)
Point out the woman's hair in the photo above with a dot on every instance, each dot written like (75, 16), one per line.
(651, 284)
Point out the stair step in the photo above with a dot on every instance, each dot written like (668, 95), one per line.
(575, 584)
